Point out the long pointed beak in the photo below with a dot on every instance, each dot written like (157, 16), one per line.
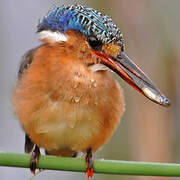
(134, 76)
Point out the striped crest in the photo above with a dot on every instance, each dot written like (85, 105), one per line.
(86, 20)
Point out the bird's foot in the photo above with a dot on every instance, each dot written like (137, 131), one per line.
(34, 159)
(89, 163)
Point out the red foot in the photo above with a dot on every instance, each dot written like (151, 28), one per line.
(89, 163)
(90, 173)
(33, 172)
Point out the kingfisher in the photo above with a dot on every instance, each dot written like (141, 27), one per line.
(65, 97)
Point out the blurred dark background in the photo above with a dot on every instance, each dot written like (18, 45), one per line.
(147, 132)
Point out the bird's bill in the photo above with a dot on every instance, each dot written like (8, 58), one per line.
(133, 75)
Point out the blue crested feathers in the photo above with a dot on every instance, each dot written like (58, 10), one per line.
(79, 18)
(59, 19)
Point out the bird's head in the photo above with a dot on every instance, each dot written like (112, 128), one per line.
(96, 33)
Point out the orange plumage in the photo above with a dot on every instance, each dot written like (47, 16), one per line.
(62, 105)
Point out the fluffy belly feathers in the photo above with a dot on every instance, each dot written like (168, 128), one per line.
(78, 114)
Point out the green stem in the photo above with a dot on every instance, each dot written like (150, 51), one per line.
(100, 166)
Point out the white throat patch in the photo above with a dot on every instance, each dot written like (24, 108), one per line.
(51, 36)
(98, 67)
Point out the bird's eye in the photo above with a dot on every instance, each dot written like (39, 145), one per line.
(95, 43)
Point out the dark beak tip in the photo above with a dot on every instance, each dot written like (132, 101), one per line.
(166, 102)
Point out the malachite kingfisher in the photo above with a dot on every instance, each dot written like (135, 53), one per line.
(66, 98)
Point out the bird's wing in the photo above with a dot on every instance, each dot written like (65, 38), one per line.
(26, 61)
(25, 64)
(29, 145)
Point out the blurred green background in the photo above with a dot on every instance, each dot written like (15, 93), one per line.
(147, 132)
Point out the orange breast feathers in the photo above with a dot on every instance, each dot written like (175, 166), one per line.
(65, 107)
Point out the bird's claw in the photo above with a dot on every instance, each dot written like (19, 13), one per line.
(89, 163)
(34, 159)
(90, 172)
